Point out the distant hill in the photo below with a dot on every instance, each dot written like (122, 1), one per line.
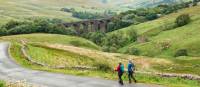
(146, 3)
(186, 37)
(20, 9)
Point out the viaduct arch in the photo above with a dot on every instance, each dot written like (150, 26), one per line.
(90, 25)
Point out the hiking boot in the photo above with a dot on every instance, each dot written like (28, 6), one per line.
(130, 82)
(121, 83)
(135, 81)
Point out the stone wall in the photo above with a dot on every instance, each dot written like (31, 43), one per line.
(28, 58)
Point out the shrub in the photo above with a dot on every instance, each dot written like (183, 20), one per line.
(12, 24)
(96, 37)
(151, 16)
(37, 25)
(103, 66)
(22, 29)
(195, 2)
(116, 40)
(113, 49)
(134, 51)
(182, 20)
(61, 29)
(3, 32)
(181, 52)
(133, 35)
(67, 9)
(105, 48)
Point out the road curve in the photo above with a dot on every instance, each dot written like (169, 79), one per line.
(9, 69)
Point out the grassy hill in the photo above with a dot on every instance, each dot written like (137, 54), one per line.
(71, 51)
(52, 38)
(12, 9)
(61, 50)
(186, 37)
(19, 10)
(131, 4)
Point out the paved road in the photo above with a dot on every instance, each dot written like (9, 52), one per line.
(9, 69)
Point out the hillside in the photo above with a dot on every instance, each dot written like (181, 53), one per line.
(81, 56)
(186, 37)
(12, 9)
(127, 4)
(45, 45)
(52, 38)
(19, 10)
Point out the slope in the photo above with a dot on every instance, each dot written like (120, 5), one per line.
(12, 9)
(160, 32)
(60, 50)
(52, 38)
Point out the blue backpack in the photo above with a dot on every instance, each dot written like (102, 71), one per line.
(131, 67)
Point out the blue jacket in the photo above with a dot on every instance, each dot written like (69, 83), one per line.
(130, 66)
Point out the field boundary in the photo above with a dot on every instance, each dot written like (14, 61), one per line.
(168, 75)
(28, 58)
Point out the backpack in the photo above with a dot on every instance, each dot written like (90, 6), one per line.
(131, 67)
(122, 68)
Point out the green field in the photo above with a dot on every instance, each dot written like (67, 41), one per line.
(47, 49)
(54, 39)
(165, 43)
(155, 55)
(186, 37)
(55, 57)
(21, 9)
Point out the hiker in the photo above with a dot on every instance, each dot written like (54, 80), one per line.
(120, 70)
(131, 69)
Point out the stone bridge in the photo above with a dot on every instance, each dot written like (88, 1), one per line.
(90, 25)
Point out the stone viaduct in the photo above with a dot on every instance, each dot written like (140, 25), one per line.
(90, 25)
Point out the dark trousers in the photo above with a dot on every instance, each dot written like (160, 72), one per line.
(120, 78)
(130, 76)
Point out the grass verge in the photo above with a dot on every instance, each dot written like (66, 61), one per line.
(143, 78)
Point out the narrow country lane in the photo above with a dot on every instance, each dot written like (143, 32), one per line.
(10, 70)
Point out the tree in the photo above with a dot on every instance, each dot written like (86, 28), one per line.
(182, 20)
(11, 24)
(116, 40)
(96, 37)
(133, 35)
(195, 2)
(22, 29)
(3, 32)
(61, 29)
(181, 52)
(36, 25)
(151, 16)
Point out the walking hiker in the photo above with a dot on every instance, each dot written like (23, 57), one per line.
(131, 69)
(120, 70)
